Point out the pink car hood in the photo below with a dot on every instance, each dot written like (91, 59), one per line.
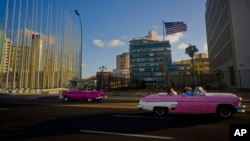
(222, 97)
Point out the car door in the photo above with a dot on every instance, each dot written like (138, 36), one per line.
(72, 95)
(193, 104)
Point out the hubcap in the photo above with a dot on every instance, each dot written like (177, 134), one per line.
(160, 111)
(66, 99)
(225, 112)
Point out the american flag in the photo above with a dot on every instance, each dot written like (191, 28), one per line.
(174, 27)
(34, 36)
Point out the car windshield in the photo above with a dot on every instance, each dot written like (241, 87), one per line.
(200, 90)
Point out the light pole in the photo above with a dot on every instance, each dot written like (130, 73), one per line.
(77, 13)
(102, 68)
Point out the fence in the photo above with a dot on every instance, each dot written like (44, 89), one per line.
(238, 79)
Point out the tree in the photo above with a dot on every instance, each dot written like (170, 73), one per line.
(163, 68)
(191, 50)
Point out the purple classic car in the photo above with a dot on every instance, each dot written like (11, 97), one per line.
(82, 95)
(223, 104)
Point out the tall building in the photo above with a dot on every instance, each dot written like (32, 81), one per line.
(35, 62)
(227, 26)
(6, 52)
(151, 61)
(122, 66)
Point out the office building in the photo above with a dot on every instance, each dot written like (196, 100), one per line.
(151, 61)
(227, 26)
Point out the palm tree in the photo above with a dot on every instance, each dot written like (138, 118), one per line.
(191, 50)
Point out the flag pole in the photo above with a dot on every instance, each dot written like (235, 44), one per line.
(165, 58)
(163, 30)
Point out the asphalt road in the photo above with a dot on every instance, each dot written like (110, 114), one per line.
(46, 118)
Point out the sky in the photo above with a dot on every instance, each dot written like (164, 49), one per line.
(109, 25)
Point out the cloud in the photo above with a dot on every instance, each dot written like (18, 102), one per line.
(173, 38)
(115, 43)
(182, 46)
(98, 43)
(111, 43)
(205, 47)
(83, 66)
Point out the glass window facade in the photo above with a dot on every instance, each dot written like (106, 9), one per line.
(146, 58)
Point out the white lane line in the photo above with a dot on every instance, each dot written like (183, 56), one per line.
(130, 116)
(129, 135)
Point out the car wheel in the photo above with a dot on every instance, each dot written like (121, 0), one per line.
(160, 111)
(66, 99)
(225, 112)
(89, 100)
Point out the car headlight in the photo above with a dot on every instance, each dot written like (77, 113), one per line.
(240, 98)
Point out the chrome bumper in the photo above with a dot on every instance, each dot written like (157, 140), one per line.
(139, 107)
(241, 109)
(60, 96)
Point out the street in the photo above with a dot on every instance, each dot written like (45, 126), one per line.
(47, 118)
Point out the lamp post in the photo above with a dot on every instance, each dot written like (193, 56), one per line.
(102, 68)
(77, 13)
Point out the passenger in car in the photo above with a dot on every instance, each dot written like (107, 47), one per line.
(172, 91)
(188, 91)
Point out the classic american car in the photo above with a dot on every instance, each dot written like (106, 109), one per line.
(82, 95)
(202, 102)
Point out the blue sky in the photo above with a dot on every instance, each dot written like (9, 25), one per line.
(109, 25)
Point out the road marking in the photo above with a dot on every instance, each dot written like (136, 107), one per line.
(130, 116)
(129, 135)
(104, 105)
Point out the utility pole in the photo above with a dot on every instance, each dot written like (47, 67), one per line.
(102, 68)
(77, 13)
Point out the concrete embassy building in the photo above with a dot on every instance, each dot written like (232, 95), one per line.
(151, 61)
(228, 32)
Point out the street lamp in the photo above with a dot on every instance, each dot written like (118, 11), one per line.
(77, 13)
(102, 68)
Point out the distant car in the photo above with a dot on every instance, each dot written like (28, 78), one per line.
(82, 95)
(223, 104)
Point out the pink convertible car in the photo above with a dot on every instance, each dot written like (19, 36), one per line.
(82, 95)
(223, 104)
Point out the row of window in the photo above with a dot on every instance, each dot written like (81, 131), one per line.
(214, 13)
(145, 65)
(150, 54)
(161, 59)
(201, 66)
(149, 74)
(162, 49)
(201, 60)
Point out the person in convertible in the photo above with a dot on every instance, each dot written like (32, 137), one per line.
(188, 91)
(172, 91)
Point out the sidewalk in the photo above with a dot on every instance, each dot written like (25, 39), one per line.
(245, 97)
(133, 96)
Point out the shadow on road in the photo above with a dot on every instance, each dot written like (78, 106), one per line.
(72, 124)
